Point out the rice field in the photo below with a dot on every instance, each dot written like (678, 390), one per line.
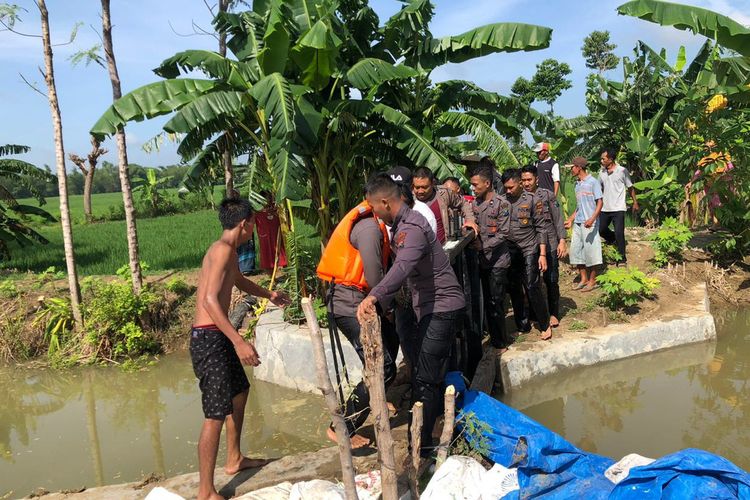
(171, 242)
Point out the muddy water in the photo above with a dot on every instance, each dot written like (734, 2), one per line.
(95, 426)
(695, 396)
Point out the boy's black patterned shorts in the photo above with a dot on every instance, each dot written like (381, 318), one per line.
(219, 370)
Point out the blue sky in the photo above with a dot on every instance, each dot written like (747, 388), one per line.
(143, 37)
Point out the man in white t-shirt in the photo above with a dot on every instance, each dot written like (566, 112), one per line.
(403, 176)
(547, 169)
(615, 181)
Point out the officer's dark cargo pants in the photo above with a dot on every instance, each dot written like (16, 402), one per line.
(551, 281)
(494, 287)
(524, 277)
(436, 334)
(357, 406)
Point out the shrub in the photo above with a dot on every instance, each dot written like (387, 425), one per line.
(610, 254)
(57, 317)
(113, 315)
(179, 287)
(124, 270)
(670, 241)
(8, 289)
(625, 287)
(578, 325)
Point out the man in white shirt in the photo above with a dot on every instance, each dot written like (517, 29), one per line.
(615, 181)
(403, 176)
(547, 169)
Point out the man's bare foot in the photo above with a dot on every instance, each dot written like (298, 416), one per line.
(391, 408)
(210, 496)
(547, 334)
(246, 463)
(356, 440)
(554, 322)
(502, 350)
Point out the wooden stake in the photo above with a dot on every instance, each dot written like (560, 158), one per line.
(448, 423)
(325, 386)
(417, 418)
(372, 343)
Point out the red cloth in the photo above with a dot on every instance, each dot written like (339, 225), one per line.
(435, 207)
(268, 226)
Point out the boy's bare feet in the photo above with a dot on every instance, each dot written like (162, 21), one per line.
(547, 334)
(245, 463)
(356, 440)
(554, 322)
(212, 496)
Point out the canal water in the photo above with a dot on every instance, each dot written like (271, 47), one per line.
(695, 396)
(93, 426)
(65, 429)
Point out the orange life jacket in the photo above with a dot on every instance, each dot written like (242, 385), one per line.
(341, 263)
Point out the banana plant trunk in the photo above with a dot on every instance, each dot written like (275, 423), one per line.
(226, 157)
(122, 156)
(62, 180)
(88, 182)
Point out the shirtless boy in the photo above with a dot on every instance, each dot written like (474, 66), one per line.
(218, 351)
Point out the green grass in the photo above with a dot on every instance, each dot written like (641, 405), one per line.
(173, 242)
(100, 204)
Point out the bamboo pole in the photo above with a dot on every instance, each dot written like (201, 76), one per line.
(448, 423)
(324, 383)
(372, 343)
(417, 418)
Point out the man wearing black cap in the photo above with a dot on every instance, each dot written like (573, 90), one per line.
(402, 176)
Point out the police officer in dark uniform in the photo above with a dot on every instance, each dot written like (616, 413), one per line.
(554, 229)
(437, 297)
(528, 253)
(492, 215)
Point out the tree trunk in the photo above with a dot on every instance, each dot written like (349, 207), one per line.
(122, 156)
(62, 180)
(88, 181)
(448, 423)
(372, 342)
(324, 382)
(226, 157)
(417, 419)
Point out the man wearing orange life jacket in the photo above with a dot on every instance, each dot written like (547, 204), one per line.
(354, 261)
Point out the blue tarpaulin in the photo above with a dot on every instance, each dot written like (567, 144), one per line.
(551, 467)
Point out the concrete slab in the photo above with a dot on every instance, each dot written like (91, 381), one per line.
(286, 354)
(692, 323)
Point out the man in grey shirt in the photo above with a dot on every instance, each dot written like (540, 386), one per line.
(436, 295)
(367, 238)
(615, 180)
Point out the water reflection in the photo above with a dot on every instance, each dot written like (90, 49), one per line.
(692, 396)
(95, 426)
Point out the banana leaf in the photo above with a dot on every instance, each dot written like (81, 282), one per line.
(726, 31)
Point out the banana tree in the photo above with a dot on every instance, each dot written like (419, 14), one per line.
(12, 226)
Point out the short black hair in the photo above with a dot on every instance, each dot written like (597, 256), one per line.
(233, 211)
(452, 179)
(382, 184)
(424, 173)
(406, 193)
(511, 174)
(611, 152)
(485, 172)
(531, 169)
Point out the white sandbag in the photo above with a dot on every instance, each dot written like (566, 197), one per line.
(160, 493)
(278, 492)
(369, 485)
(498, 482)
(459, 478)
(619, 471)
(317, 489)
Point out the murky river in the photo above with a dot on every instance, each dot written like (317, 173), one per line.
(94, 426)
(696, 396)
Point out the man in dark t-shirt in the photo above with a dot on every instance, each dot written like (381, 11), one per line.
(547, 169)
